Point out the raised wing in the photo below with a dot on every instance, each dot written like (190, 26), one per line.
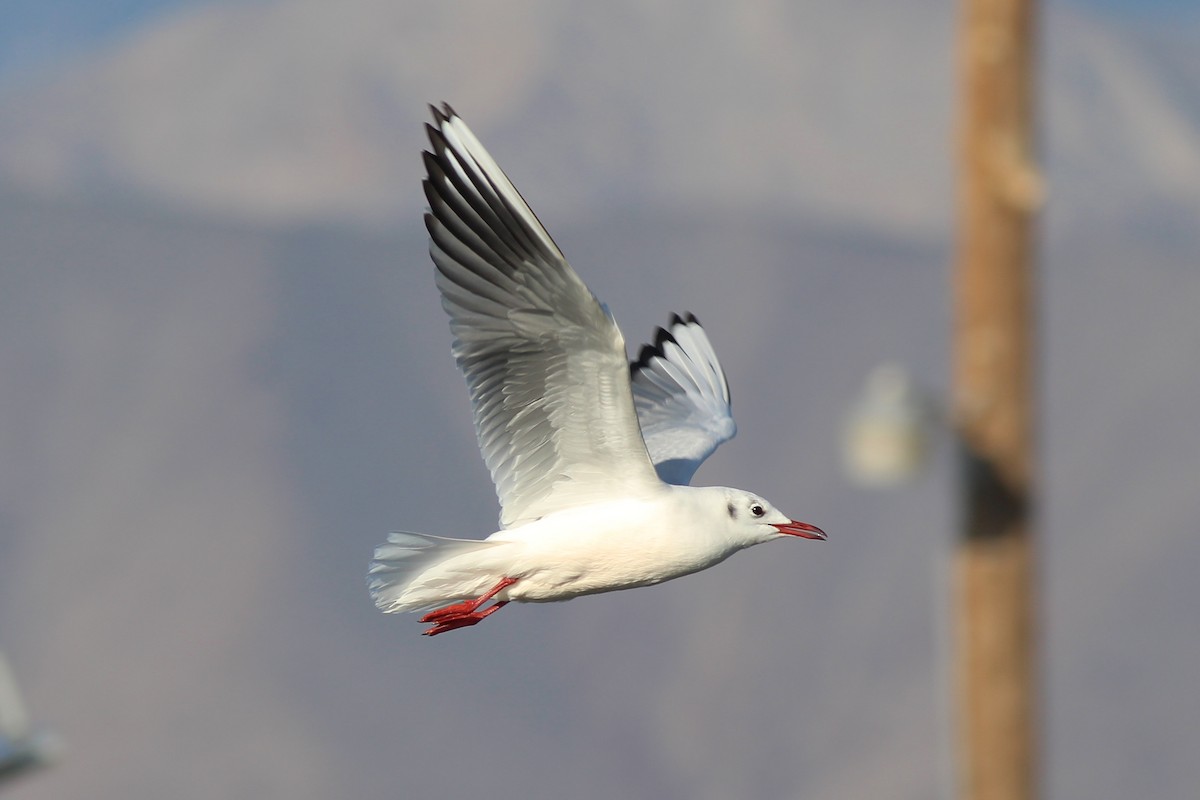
(544, 361)
(682, 399)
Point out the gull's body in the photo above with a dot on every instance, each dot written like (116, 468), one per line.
(599, 547)
(589, 454)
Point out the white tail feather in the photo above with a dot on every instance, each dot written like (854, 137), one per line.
(412, 571)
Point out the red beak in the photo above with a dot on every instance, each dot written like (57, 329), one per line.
(801, 529)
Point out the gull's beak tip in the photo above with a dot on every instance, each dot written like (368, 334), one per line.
(803, 530)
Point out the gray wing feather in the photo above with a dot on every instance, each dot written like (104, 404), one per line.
(682, 399)
(544, 361)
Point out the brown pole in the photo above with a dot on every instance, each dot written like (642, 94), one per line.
(999, 193)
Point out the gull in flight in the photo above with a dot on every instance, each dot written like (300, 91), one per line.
(591, 455)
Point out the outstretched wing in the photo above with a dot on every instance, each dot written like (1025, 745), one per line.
(544, 361)
(682, 399)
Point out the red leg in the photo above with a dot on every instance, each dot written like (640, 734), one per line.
(464, 621)
(466, 613)
(451, 611)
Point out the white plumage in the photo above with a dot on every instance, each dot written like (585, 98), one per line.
(682, 400)
(587, 504)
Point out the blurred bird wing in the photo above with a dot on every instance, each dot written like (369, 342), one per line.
(14, 721)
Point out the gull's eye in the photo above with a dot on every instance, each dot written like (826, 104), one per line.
(757, 510)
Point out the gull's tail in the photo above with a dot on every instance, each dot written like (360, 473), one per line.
(414, 571)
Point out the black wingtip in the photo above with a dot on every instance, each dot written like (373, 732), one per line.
(661, 337)
(441, 114)
(650, 351)
(430, 222)
(437, 140)
(687, 318)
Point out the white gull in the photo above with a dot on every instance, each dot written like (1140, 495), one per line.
(590, 455)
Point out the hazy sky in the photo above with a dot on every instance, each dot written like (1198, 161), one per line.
(36, 34)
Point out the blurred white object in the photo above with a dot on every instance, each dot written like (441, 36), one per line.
(886, 436)
(20, 748)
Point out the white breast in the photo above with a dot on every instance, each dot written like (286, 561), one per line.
(615, 545)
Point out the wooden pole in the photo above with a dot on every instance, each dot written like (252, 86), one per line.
(994, 576)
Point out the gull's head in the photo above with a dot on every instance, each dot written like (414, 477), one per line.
(752, 520)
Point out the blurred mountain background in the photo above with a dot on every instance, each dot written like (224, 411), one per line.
(225, 375)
